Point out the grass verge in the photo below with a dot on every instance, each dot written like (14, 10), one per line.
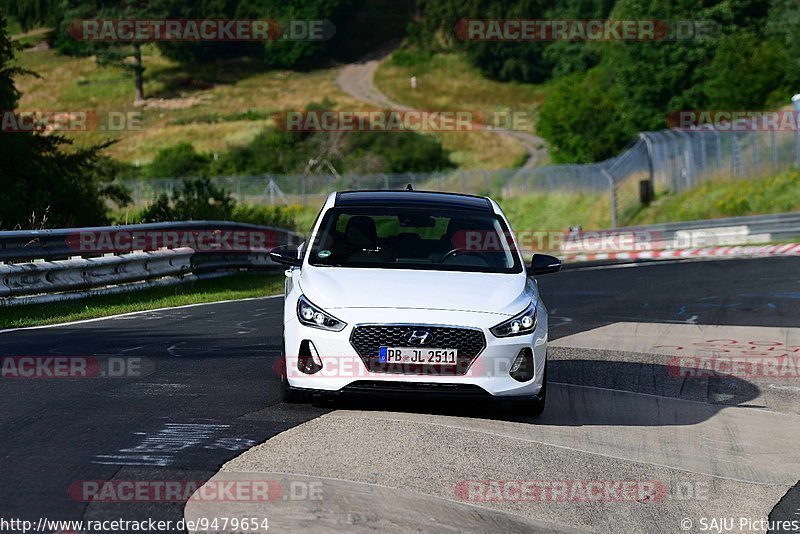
(447, 82)
(727, 198)
(213, 106)
(556, 212)
(714, 199)
(233, 287)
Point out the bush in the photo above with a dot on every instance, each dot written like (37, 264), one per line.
(584, 119)
(178, 161)
(279, 216)
(271, 151)
(411, 57)
(276, 151)
(531, 61)
(399, 151)
(765, 62)
(196, 200)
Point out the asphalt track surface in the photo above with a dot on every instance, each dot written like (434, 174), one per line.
(205, 393)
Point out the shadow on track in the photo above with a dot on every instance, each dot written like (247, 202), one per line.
(587, 392)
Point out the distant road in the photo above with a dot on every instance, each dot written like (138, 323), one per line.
(358, 80)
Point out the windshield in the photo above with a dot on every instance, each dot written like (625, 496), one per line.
(409, 238)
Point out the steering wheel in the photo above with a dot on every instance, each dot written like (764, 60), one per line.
(467, 251)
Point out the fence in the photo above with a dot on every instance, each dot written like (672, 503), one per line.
(669, 161)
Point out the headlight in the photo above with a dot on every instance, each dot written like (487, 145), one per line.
(310, 315)
(521, 324)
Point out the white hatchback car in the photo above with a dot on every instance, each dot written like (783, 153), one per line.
(412, 292)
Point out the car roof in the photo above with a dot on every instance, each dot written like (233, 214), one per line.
(420, 199)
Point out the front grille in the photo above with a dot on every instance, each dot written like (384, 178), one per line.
(367, 340)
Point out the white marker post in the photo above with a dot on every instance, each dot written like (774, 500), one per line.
(796, 106)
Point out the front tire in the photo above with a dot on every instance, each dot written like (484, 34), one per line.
(291, 396)
(532, 407)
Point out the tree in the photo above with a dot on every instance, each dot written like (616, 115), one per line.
(127, 54)
(31, 13)
(178, 161)
(747, 64)
(524, 61)
(766, 63)
(666, 76)
(783, 27)
(196, 200)
(275, 53)
(42, 177)
(64, 14)
(584, 119)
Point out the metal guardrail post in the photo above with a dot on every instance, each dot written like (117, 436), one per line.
(648, 143)
(756, 155)
(613, 189)
(736, 155)
(674, 161)
(703, 159)
(688, 160)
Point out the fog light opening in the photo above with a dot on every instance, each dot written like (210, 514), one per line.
(308, 361)
(522, 368)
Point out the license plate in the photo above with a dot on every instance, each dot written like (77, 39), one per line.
(420, 356)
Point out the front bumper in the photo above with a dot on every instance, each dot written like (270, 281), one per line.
(344, 371)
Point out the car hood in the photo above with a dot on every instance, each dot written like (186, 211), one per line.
(337, 287)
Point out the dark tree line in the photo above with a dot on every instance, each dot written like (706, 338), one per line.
(356, 26)
(605, 92)
(44, 181)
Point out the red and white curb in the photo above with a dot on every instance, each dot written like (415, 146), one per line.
(789, 249)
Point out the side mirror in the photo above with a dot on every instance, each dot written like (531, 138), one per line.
(544, 264)
(285, 255)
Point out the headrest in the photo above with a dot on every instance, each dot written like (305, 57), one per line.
(361, 231)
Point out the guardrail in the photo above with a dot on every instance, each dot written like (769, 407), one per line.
(69, 263)
(62, 264)
(753, 228)
(59, 244)
(726, 232)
